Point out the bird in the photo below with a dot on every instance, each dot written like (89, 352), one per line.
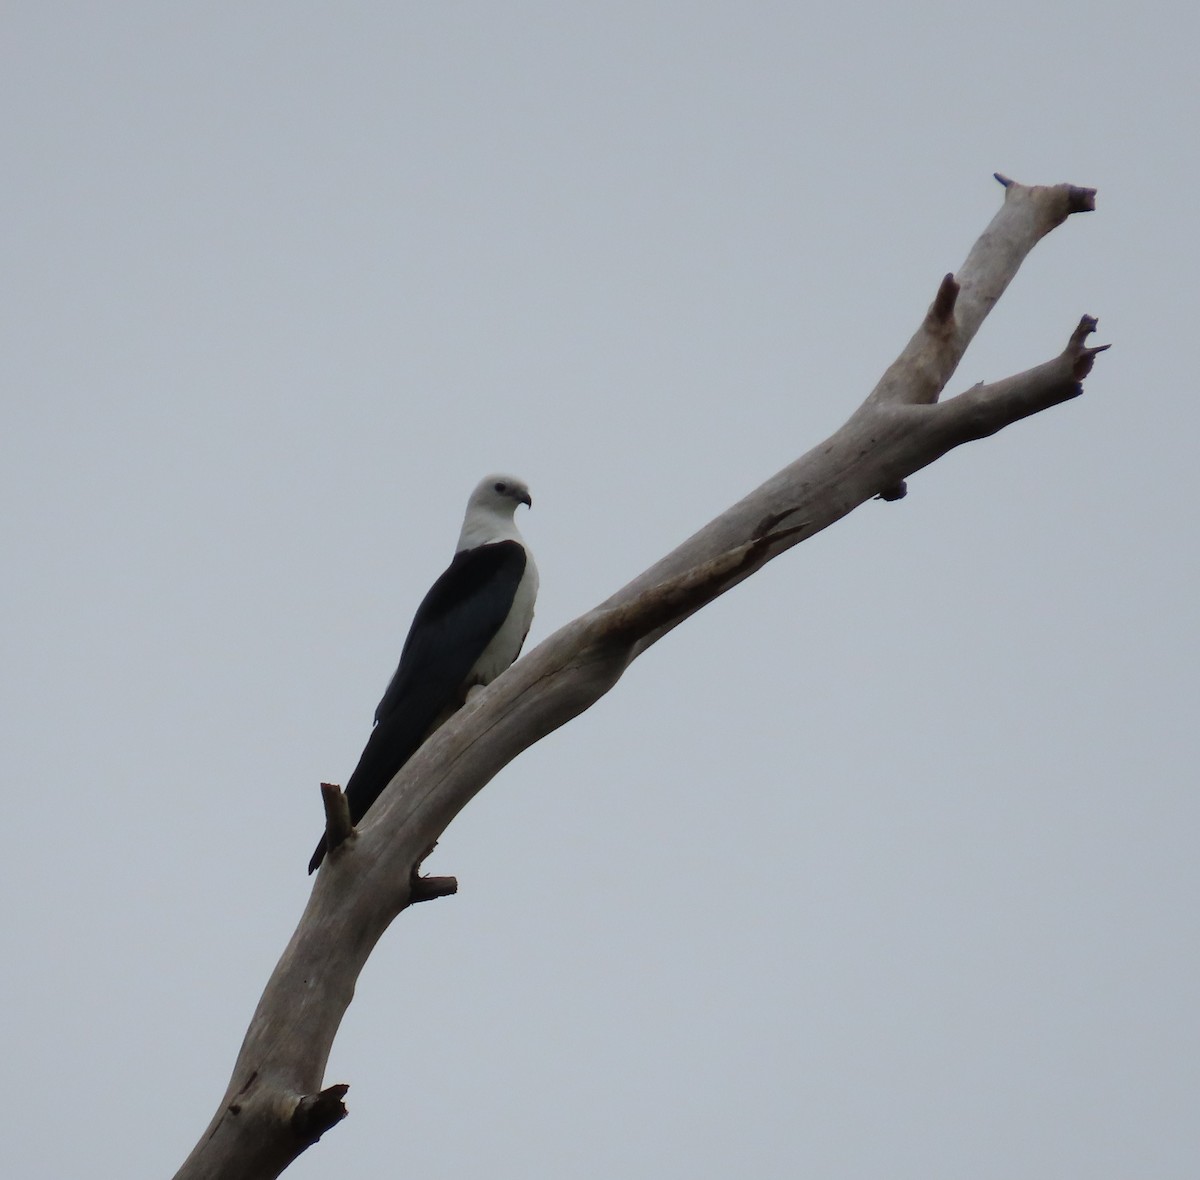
(469, 627)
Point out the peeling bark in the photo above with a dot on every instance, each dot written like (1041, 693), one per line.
(275, 1107)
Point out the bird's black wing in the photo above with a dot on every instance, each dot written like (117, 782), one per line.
(455, 622)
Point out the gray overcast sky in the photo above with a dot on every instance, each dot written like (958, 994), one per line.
(884, 865)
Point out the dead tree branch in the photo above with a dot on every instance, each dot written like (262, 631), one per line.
(275, 1106)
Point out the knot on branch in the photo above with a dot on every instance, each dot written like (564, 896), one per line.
(316, 1113)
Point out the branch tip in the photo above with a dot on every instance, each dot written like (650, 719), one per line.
(1080, 200)
(429, 888)
(942, 310)
(1086, 326)
(316, 1113)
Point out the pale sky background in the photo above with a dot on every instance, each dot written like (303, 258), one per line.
(882, 866)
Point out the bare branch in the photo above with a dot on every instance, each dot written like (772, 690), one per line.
(274, 1106)
(985, 409)
(920, 372)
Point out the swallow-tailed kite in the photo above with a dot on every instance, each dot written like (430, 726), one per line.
(468, 629)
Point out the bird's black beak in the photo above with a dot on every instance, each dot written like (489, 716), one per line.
(526, 499)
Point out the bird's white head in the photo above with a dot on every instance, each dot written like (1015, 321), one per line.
(490, 511)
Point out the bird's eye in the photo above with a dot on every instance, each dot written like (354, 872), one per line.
(502, 488)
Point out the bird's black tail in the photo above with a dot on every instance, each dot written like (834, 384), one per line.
(391, 744)
(317, 857)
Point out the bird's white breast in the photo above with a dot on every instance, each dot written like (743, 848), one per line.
(506, 643)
